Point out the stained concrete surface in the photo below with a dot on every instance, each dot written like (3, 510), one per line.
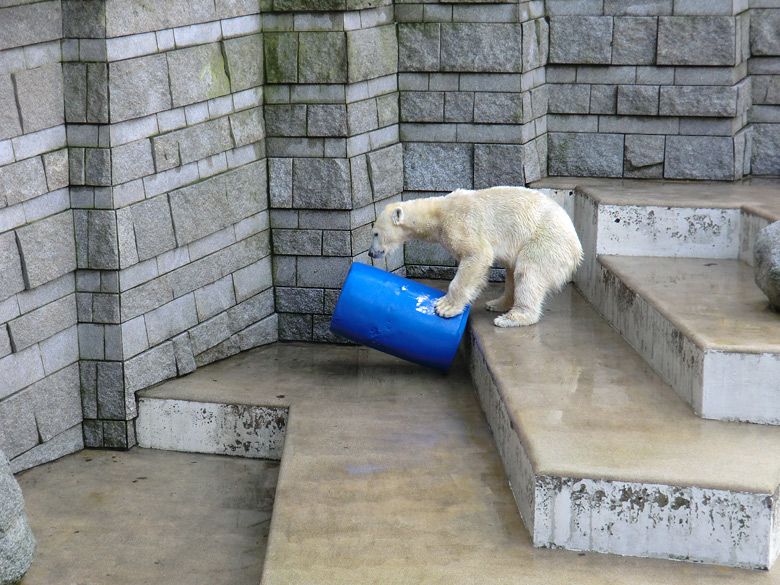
(149, 517)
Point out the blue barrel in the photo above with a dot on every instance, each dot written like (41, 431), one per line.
(396, 315)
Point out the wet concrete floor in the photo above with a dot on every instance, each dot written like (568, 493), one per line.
(149, 517)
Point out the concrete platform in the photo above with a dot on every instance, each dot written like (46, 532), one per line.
(143, 516)
(704, 325)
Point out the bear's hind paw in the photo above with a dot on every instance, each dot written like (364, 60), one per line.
(516, 319)
(498, 305)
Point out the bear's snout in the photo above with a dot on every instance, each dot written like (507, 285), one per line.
(374, 253)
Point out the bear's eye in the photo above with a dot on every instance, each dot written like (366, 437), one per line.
(376, 234)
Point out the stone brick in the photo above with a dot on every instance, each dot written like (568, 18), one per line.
(280, 182)
(696, 40)
(197, 74)
(712, 101)
(498, 108)
(105, 308)
(153, 227)
(247, 126)
(322, 57)
(317, 271)
(536, 41)
(10, 266)
(581, 39)
(326, 120)
(171, 319)
(297, 242)
(245, 61)
(633, 41)
(372, 52)
(644, 156)
(637, 100)
(419, 47)
(131, 161)
(437, 167)
(362, 116)
(56, 166)
(40, 95)
(198, 210)
(97, 166)
(102, 243)
(764, 24)
(458, 106)
(42, 264)
(155, 365)
(766, 145)
(97, 93)
(145, 297)
(251, 310)
(281, 57)
(494, 47)
(585, 154)
(203, 140)
(299, 300)
(321, 184)
(699, 157)
(57, 402)
(22, 181)
(246, 190)
(30, 24)
(285, 120)
(110, 391)
(124, 17)
(569, 98)
(262, 333)
(42, 323)
(338, 243)
(9, 117)
(386, 171)
(209, 334)
(295, 327)
(497, 164)
(252, 279)
(138, 87)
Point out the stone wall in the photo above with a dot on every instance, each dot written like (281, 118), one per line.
(163, 101)
(184, 179)
(649, 90)
(40, 408)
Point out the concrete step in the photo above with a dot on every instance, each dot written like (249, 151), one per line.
(390, 474)
(704, 326)
(602, 455)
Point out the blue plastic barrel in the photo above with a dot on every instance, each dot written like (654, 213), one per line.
(396, 315)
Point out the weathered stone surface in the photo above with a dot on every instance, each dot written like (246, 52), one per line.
(634, 41)
(45, 263)
(581, 39)
(22, 181)
(437, 166)
(245, 61)
(17, 543)
(766, 146)
(699, 157)
(124, 17)
(498, 108)
(102, 243)
(498, 164)
(317, 271)
(321, 183)
(419, 47)
(585, 154)
(569, 98)
(153, 227)
(30, 24)
(281, 57)
(171, 319)
(322, 57)
(696, 40)
(299, 300)
(155, 365)
(247, 126)
(644, 156)
(9, 117)
(198, 210)
(386, 171)
(40, 95)
(285, 119)
(536, 43)
(197, 74)
(138, 87)
(297, 242)
(764, 24)
(766, 262)
(10, 266)
(83, 19)
(372, 52)
(637, 100)
(493, 47)
(42, 323)
(326, 120)
(709, 101)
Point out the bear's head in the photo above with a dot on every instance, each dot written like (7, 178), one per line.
(389, 231)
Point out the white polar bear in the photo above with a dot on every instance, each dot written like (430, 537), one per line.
(523, 229)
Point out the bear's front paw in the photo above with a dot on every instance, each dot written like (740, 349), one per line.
(446, 308)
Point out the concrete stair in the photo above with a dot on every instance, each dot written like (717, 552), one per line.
(599, 413)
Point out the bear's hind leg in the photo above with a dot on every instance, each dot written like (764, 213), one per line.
(531, 287)
(506, 300)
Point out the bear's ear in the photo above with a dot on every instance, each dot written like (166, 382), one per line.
(398, 215)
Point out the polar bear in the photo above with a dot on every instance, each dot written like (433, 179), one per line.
(523, 229)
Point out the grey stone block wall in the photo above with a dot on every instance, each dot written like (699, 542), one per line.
(636, 88)
(334, 152)
(168, 195)
(40, 409)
